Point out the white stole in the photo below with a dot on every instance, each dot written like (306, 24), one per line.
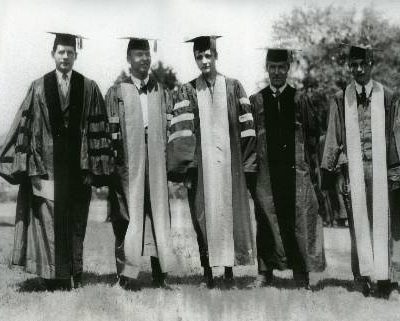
(157, 179)
(136, 166)
(217, 175)
(373, 250)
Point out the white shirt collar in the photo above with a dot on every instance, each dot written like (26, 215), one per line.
(138, 81)
(368, 87)
(281, 89)
(60, 74)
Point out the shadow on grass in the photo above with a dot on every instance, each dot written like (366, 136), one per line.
(145, 281)
(31, 285)
(37, 284)
(325, 283)
(241, 282)
(350, 286)
(91, 278)
(6, 224)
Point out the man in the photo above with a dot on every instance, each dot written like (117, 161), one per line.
(57, 146)
(362, 145)
(137, 109)
(289, 229)
(211, 147)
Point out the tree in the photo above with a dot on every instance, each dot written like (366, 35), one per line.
(320, 31)
(122, 76)
(321, 68)
(165, 75)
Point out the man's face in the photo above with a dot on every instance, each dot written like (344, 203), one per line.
(64, 57)
(277, 72)
(361, 70)
(140, 61)
(205, 60)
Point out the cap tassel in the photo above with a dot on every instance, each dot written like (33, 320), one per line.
(79, 43)
(213, 43)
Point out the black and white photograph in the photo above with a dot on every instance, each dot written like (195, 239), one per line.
(186, 160)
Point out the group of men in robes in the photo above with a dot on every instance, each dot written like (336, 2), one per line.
(221, 145)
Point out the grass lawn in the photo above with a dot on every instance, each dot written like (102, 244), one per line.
(333, 298)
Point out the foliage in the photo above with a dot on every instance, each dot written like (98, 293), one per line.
(164, 74)
(321, 65)
(121, 77)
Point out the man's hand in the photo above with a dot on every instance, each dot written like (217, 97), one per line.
(36, 183)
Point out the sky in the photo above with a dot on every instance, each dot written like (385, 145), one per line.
(25, 47)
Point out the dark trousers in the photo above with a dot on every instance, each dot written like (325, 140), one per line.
(119, 228)
(197, 212)
(79, 214)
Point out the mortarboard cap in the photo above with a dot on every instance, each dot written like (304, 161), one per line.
(360, 51)
(67, 39)
(280, 54)
(140, 43)
(202, 43)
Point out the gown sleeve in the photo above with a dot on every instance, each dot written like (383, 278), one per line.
(15, 151)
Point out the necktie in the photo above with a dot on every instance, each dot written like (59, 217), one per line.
(276, 95)
(64, 84)
(143, 87)
(363, 96)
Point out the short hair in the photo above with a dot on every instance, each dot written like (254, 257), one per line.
(213, 51)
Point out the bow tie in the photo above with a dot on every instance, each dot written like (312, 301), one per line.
(276, 93)
(143, 88)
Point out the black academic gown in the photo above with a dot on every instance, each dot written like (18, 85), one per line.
(50, 151)
(289, 229)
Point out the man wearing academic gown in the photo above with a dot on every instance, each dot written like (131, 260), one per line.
(138, 195)
(211, 148)
(362, 146)
(289, 229)
(57, 146)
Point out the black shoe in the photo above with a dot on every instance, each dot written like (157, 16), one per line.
(57, 284)
(229, 280)
(77, 281)
(162, 284)
(384, 289)
(50, 284)
(263, 279)
(65, 285)
(305, 284)
(128, 284)
(230, 283)
(363, 284)
(228, 274)
(210, 284)
(302, 280)
(208, 279)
